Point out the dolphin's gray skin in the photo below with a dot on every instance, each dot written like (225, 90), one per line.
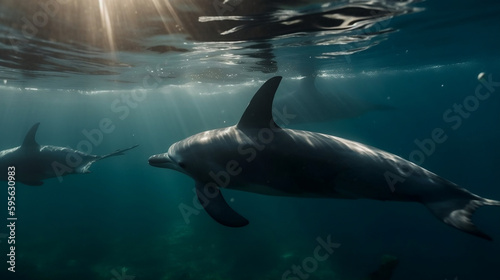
(34, 163)
(256, 155)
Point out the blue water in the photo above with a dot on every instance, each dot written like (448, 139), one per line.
(162, 71)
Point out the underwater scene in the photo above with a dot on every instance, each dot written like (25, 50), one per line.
(238, 139)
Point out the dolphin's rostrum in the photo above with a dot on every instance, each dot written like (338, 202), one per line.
(256, 155)
(34, 162)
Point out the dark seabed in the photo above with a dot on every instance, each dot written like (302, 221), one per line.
(383, 73)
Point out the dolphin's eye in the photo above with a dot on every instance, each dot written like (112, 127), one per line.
(182, 165)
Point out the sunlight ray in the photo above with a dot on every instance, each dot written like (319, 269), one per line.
(106, 23)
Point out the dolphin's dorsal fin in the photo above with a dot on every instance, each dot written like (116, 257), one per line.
(259, 112)
(29, 139)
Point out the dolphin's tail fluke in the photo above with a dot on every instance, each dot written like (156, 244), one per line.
(457, 212)
(118, 152)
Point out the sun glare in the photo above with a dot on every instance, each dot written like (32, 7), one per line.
(106, 23)
(115, 24)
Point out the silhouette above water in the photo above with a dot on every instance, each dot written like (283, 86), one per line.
(307, 104)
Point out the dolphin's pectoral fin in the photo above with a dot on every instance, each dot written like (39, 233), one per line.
(29, 139)
(458, 213)
(216, 206)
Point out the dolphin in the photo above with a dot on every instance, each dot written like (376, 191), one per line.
(256, 155)
(34, 162)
